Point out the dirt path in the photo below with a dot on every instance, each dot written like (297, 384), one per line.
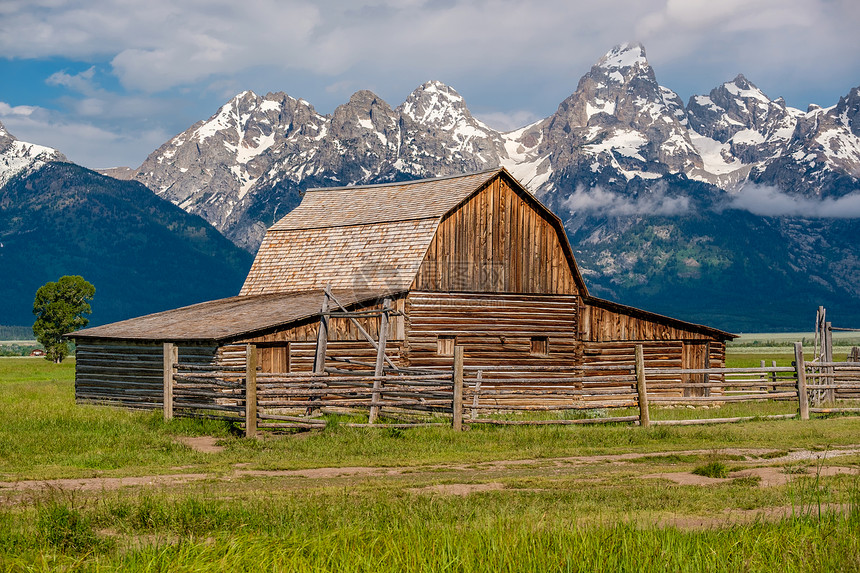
(769, 476)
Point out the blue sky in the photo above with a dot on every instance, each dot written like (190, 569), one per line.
(108, 81)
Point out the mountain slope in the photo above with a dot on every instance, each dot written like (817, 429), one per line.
(142, 253)
(726, 268)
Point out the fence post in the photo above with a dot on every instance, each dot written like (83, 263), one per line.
(171, 357)
(457, 402)
(375, 397)
(322, 337)
(800, 369)
(830, 393)
(641, 388)
(250, 390)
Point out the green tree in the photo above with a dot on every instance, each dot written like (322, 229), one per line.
(60, 308)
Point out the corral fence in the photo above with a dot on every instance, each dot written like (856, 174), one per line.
(463, 395)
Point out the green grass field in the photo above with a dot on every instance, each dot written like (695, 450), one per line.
(592, 498)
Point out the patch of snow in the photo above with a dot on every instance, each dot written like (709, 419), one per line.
(714, 154)
(840, 144)
(623, 56)
(755, 94)
(707, 102)
(246, 153)
(532, 174)
(600, 106)
(749, 137)
(269, 105)
(624, 142)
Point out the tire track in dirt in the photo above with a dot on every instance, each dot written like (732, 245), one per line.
(561, 465)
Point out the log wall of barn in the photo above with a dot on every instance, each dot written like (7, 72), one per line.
(131, 374)
(498, 241)
(494, 329)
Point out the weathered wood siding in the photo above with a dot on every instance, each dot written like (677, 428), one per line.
(497, 242)
(131, 374)
(494, 329)
(293, 349)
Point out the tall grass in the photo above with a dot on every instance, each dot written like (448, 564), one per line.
(394, 531)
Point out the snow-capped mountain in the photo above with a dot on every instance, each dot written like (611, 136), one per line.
(19, 156)
(648, 188)
(821, 158)
(621, 120)
(256, 152)
(621, 130)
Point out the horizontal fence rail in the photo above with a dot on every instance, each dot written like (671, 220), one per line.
(240, 392)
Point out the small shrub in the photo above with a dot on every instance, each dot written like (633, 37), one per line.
(715, 469)
(394, 433)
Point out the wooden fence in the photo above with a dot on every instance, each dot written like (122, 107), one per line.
(475, 395)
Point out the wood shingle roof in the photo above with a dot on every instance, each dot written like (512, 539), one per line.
(372, 237)
(226, 318)
(407, 201)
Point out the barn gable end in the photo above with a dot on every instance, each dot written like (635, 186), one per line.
(499, 240)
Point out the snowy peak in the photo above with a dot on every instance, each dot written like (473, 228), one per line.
(848, 111)
(621, 120)
(620, 129)
(435, 104)
(437, 114)
(624, 60)
(365, 111)
(19, 156)
(738, 106)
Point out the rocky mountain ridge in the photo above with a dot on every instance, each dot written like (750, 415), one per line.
(620, 130)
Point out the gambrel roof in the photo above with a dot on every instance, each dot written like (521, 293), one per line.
(369, 237)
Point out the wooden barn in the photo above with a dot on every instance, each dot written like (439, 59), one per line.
(472, 260)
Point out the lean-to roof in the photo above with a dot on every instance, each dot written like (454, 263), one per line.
(226, 318)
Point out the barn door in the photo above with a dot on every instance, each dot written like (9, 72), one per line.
(695, 356)
(275, 357)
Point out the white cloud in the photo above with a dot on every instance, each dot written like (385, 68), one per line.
(81, 83)
(524, 56)
(160, 44)
(82, 142)
(603, 201)
(771, 202)
(9, 111)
